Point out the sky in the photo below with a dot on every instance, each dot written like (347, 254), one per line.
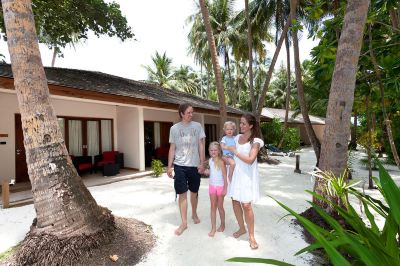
(158, 25)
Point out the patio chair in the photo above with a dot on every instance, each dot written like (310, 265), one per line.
(108, 162)
(82, 164)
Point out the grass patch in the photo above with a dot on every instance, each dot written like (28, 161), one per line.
(4, 255)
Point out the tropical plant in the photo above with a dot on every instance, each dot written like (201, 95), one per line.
(363, 240)
(157, 167)
(161, 73)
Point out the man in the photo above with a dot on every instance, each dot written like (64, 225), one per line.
(186, 158)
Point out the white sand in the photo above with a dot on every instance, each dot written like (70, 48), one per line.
(152, 200)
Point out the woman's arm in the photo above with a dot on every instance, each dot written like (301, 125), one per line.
(224, 175)
(251, 157)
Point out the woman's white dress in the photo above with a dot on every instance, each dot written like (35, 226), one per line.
(245, 182)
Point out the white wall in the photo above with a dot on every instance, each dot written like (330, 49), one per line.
(161, 115)
(9, 107)
(130, 136)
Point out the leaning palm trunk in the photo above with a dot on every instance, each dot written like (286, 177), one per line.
(261, 99)
(382, 92)
(341, 97)
(250, 55)
(302, 102)
(369, 142)
(287, 104)
(68, 220)
(217, 68)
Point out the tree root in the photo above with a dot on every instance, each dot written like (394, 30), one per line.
(50, 249)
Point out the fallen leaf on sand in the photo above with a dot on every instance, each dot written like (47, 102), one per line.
(114, 257)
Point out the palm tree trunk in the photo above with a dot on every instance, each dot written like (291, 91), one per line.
(381, 89)
(353, 135)
(53, 60)
(217, 68)
(66, 212)
(261, 98)
(369, 142)
(228, 67)
(302, 102)
(250, 47)
(287, 105)
(394, 18)
(341, 97)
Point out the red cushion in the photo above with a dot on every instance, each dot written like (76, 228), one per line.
(109, 156)
(84, 166)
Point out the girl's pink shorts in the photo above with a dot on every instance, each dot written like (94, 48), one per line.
(215, 190)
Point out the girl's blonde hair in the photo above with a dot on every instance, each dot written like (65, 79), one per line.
(218, 162)
(230, 123)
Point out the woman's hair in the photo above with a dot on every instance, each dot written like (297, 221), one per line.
(218, 162)
(255, 130)
(182, 108)
(230, 123)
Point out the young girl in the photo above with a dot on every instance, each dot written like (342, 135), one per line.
(229, 140)
(217, 187)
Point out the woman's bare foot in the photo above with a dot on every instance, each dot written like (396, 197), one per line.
(221, 228)
(253, 244)
(211, 233)
(196, 219)
(180, 229)
(239, 232)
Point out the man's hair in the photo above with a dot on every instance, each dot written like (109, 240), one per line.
(182, 108)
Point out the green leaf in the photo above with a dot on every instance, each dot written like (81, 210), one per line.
(259, 260)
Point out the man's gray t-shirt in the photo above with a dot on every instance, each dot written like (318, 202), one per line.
(186, 139)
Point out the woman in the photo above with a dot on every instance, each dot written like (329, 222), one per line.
(244, 189)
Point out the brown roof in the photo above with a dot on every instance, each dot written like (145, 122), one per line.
(280, 114)
(114, 85)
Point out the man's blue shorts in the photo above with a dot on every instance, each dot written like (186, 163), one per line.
(185, 178)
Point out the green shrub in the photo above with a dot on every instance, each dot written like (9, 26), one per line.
(157, 167)
(272, 131)
(291, 139)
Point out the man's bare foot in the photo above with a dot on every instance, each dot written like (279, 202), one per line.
(221, 228)
(253, 244)
(239, 232)
(196, 219)
(211, 233)
(180, 229)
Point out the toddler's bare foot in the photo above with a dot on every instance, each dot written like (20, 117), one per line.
(196, 219)
(239, 232)
(180, 229)
(221, 228)
(211, 233)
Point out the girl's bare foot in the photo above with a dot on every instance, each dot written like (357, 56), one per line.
(239, 232)
(253, 244)
(196, 219)
(211, 233)
(221, 228)
(180, 229)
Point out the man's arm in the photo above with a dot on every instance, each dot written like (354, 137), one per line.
(171, 156)
(201, 155)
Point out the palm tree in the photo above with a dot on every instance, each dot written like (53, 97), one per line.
(337, 129)
(161, 72)
(217, 69)
(300, 95)
(68, 219)
(187, 80)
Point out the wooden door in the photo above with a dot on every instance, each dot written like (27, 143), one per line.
(164, 133)
(21, 169)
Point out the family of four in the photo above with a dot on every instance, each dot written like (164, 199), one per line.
(186, 162)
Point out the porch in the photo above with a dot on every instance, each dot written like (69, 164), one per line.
(21, 194)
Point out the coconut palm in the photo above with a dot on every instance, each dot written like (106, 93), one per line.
(162, 72)
(68, 219)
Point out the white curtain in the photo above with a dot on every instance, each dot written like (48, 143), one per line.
(106, 142)
(157, 139)
(93, 138)
(61, 123)
(75, 137)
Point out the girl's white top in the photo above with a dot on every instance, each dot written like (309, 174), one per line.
(245, 182)
(216, 178)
